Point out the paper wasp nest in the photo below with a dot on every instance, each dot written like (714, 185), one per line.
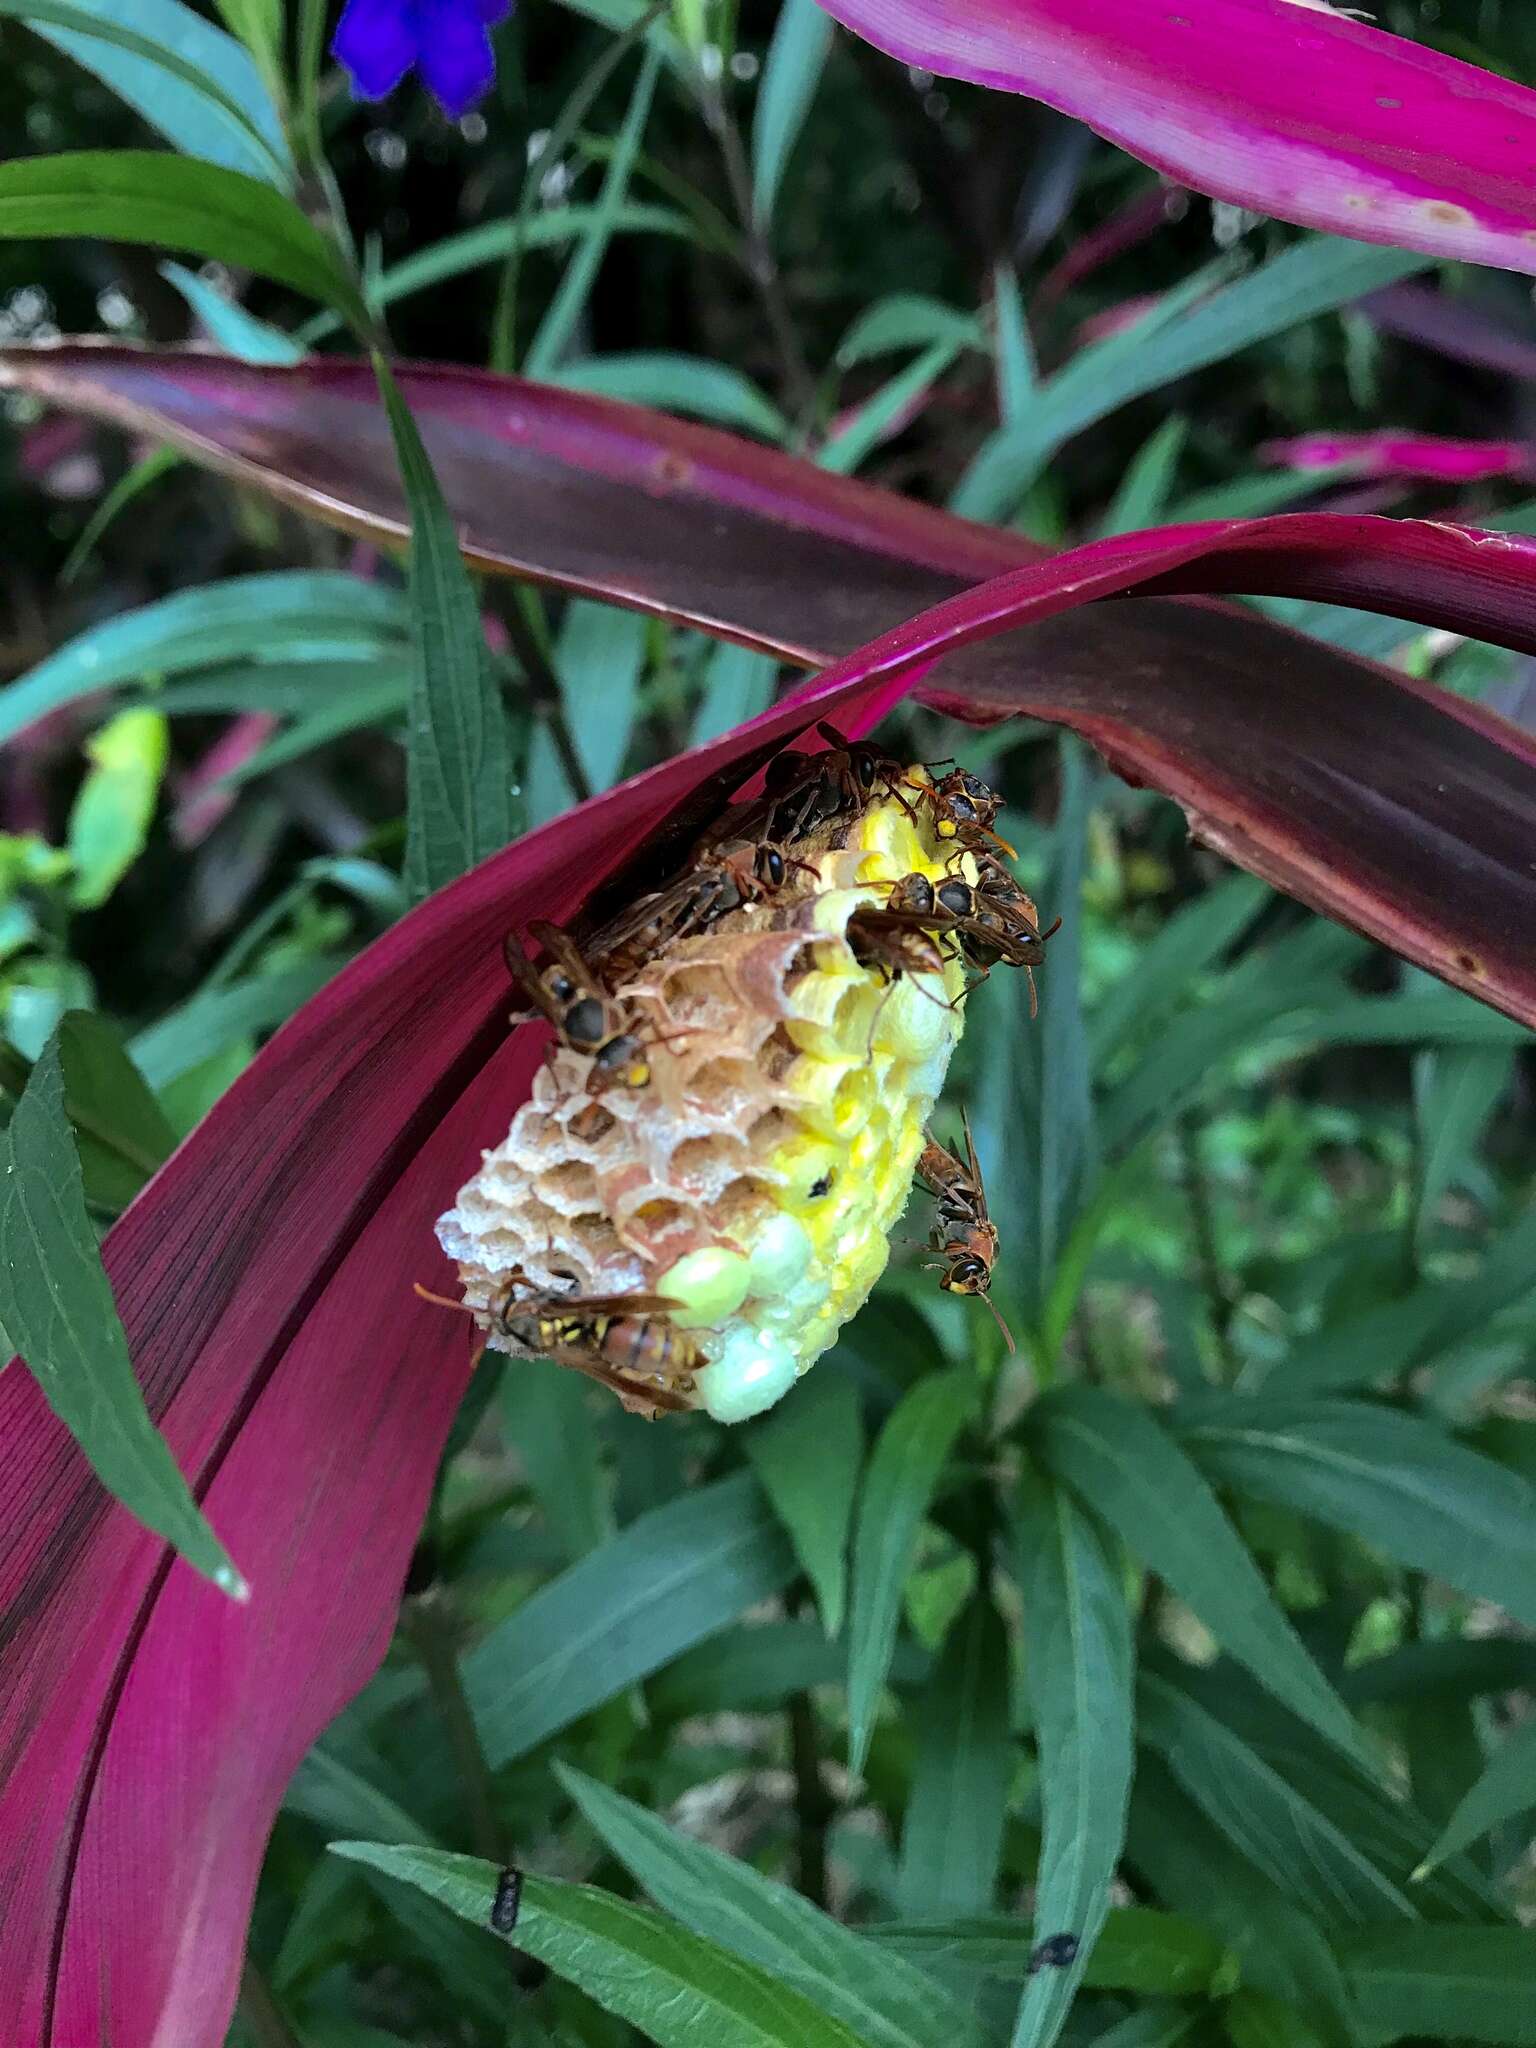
(756, 1177)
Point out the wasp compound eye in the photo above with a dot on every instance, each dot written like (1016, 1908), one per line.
(585, 1021)
(956, 898)
(769, 866)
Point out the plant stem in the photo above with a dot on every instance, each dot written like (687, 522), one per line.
(814, 1805)
(762, 264)
(261, 2013)
(430, 1629)
(1203, 1222)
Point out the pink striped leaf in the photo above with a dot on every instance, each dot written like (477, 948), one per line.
(1286, 106)
(1430, 458)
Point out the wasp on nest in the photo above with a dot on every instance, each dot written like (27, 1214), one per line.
(702, 1187)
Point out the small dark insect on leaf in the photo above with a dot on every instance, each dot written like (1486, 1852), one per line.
(509, 1896)
(1054, 1953)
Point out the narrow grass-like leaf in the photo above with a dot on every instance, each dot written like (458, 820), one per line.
(248, 620)
(952, 1833)
(797, 55)
(1079, 1658)
(679, 383)
(56, 1304)
(807, 1454)
(1190, 1863)
(1455, 1089)
(1190, 942)
(460, 806)
(1506, 1789)
(738, 684)
(754, 1668)
(1253, 2019)
(899, 1483)
(599, 656)
(1144, 489)
(1160, 1955)
(1394, 1479)
(549, 1421)
(667, 1581)
(904, 320)
(1157, 2027)
(382, 701)
(575, 288)
(1251, 497)
(1133, 1475)
(679, 1990)
(1299, 1847)
(173, 202)
(1209, 325)
(1398, 1337)
(1445, 1984)
(1452, 1670)
(205, 1024)
(1018, 375)
(885, 2000)
(186, 77)
(884, 411)
(232, 327)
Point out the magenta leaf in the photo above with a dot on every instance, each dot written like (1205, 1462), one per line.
(1430, 458)
(1284, 106)
(264, 1277)
(1369, 795)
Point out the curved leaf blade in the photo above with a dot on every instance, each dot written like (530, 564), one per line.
(681, 1991)
(1373, 797)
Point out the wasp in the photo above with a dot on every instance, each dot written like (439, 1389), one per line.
(621, 1340)
(965, 1237)
(893, 943)
(723, 876)
(509, 1897)
(991, 921)
(583, 1012)
(812, 789)
(964, 808)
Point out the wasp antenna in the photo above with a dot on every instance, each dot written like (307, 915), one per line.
(1034, 994)
(441, 1300)
(997, 1317)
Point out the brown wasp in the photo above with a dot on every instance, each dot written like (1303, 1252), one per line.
(965, 1237)
(964, 808)
(812, 789)
(991, 922)
(893, 944)
(723, 876)
(582, 1010)
(621, 1340)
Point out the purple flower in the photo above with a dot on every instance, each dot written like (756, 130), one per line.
(379, 40)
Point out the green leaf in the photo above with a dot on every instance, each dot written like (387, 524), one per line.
(881, 413)
(738, 684)
(1161, 1955)
(904, 320)
(342, 1801)
(807, 1454)
(952, 1833)
(1398, 1337)
(183, 75)
(599, 657)
(121, 1132)
(1299, 1847)
(1506, 1789)
(1033, 1109)
(185, 1037)
(1445, 1984)
(1455, 1089)
(1253, 2019)
(1190, 1863)
(1157, 2027)
(1453, 1670)
(1017, 373)
(797, 55)
(884, 2000)
(1393, 1479)
(753, 1668)
(575, 287)
(679, 383)
(1132, 1474)
(173, 202)
(550, 1422)
(260, 622)
(110, 817)
(1145, 487)
(680, 1991)
(898, 1487)
(1191, 941)
(669, 1580)
(459, 778)
(380, 700)
(1078, 1661)
(56, 1304)
(232, 327)
(1195, 326)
